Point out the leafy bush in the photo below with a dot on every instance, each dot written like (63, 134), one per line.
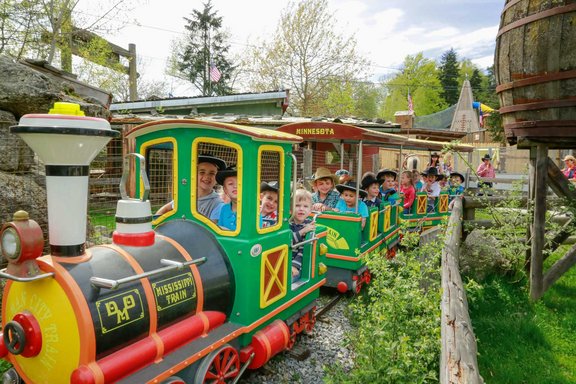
(397, 335)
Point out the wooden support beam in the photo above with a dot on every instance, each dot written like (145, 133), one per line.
(559, 268)
(538, 227)
(531, 182)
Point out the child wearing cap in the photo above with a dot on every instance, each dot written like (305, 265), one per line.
(300, 224)
(325, 198)
(268, 204)
(387, 178)
(570, 167)
(372, 187)
(225, 214)
(431, 187)
(349, 199)
(455, 187)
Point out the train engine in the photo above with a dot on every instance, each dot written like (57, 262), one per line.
(155, 306)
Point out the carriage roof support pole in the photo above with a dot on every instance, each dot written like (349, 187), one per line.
(401, 161)
(342, 155)
(359, 168)
(539, 220)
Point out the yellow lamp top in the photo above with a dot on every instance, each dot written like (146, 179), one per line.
(62, 108)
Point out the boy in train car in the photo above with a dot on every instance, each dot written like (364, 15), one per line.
(371, 185)
(387, 179)
(431, 187)
(325, 198)
(349, 199)
(268, 204)
(455, 187)
(300, 224)
(225, 214)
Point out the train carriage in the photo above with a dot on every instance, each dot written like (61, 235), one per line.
(188, 302)
(336, 146)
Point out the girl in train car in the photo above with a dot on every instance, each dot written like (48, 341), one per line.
(300, 224)
(225, 214)
(269, 204)
(372, 187)
(349, 199)
(325, 198)
(408, 190)
(455, 187)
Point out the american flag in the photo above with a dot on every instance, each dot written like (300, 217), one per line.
(410, 104)
(215, 73)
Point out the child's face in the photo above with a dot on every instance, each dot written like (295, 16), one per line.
(349, 197)
(231, 187)
(324, 185)
(415, 177)
(455, 180)
(269, 202)
(405, 179)
(388, 182)
(430, 179)
(373, 190)
(302, 210)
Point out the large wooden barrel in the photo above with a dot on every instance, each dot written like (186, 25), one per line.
(535, 68)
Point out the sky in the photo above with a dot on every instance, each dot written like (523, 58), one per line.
(386, 30)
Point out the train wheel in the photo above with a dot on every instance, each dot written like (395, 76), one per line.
(219, 367)
(367, 277)
(311, 322)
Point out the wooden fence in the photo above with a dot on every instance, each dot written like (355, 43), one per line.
(458, 363)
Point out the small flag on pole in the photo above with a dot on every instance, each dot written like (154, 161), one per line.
(410, 104)
(215, 73)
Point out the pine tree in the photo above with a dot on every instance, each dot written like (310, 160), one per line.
(205, 47)
(449, 76)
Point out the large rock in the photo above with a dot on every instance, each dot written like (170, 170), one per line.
(16, 155)
(22, 193)
(26, 90)
(480, 256)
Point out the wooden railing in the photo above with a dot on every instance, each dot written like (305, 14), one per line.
(458, 363)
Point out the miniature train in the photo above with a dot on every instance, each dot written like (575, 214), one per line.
(177, 298)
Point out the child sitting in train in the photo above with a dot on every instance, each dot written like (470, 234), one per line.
(225, 214)
(387, 179)
(417, 180)
(325, 198)
(408, 190)
(455, 187)
(300, 224)
(268, 204)
(431, 187)
(372, 187)
(349, 199)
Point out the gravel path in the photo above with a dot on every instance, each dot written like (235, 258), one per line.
(326, 346)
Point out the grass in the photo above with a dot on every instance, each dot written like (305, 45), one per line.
(526, 342)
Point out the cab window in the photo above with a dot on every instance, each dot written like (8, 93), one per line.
(161, 174)
(216, 184)
(270, 182)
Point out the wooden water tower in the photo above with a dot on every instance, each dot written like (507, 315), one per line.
(535, 67)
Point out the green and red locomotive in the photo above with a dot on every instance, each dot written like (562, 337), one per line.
(186, 302)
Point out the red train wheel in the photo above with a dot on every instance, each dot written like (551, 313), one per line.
(311, 322)
(219, 367)
(367, 277)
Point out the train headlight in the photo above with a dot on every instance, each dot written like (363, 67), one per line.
(11, 244)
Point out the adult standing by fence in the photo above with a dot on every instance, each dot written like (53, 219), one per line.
(485, 169)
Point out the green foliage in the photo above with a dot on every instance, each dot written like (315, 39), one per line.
(351, 98)
(520, 341)
(419, 76)
(448, 76)
(205, 46)
(396, 339)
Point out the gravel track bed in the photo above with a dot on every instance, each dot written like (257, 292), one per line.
(325, 344)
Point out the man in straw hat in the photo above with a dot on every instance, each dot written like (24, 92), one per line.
(325, 198)
(485, 169)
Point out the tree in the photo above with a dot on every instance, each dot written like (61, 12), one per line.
(306, 55)
(419, 77)
(449, 76)
(205, 48)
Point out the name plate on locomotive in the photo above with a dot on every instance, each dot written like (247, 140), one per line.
(120, 310)
(174, 290)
